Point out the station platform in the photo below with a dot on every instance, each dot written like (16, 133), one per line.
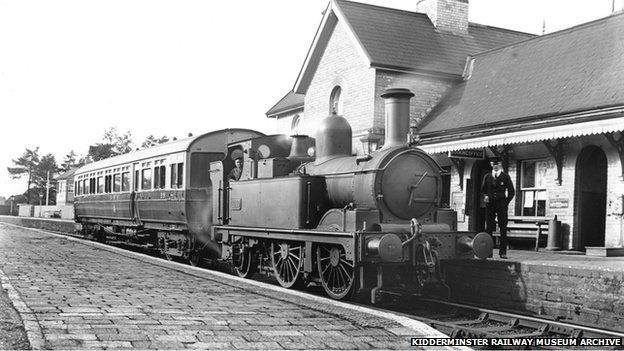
(76, 294)
(564, 286)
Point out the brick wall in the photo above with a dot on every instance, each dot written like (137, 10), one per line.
(283, 123)
(428, 92)
(341, 64)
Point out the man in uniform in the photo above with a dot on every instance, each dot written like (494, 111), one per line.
(236, 172)
(497, 191)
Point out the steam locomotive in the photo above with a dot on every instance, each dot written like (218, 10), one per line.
(365, 225)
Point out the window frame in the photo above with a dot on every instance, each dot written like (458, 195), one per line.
(535, 190)
(143, 179)
(116, 182)
(336, 103)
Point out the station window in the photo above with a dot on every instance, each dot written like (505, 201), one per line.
(117, 182)
(160, 174)
(177, 174)
(146, 179)
(295, 123)
(125, 181)
(335, 101)
(100, 184)
(532, 187)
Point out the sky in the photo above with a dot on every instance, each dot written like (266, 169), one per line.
(69, 70)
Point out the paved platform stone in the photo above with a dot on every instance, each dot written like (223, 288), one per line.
(80, 295)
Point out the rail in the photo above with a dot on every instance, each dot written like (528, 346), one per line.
(493, 323)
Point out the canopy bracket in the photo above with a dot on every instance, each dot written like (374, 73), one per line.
(618, 144)
(459, 163)
(555, 148)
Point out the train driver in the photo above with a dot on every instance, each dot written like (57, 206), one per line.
(237, 171)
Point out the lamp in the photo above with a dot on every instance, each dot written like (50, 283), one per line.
(370, 141)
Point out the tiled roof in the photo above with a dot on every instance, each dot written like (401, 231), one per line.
(289, 102)
(408, 40)
(577, 69)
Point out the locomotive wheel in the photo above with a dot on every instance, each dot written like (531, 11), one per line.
(337, 274)
(287, 261)
(244, 260)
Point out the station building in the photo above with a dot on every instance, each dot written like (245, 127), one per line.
(551, 106)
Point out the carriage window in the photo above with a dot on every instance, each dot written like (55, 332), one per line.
(156, 177)
(159, 177)
(100, 184)
(117, 182)
(176, 172)
(173, 175)
(79, 187)
(86, 186)
(107, 184)
(146, 179)
(125, 181)
(136, 180)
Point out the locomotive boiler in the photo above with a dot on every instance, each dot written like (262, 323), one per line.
(364, 225)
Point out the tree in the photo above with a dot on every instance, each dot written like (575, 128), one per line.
(25, 165)
(71, 160)
(113, 144)
(151, 141)
(45, 168)
(122, 143)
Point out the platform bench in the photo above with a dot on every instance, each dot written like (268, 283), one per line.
(526, 227)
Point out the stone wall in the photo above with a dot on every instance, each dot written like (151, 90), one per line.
(580, 295)
(56, 225)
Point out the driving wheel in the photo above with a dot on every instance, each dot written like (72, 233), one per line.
(336, 272)
(287, 261)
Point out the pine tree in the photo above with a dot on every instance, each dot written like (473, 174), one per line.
(25, 165)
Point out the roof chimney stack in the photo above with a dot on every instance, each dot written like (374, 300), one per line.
(446, 15)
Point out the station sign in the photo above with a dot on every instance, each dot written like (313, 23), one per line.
(473, 153)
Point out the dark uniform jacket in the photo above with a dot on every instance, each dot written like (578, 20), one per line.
(495, 188)
(235, 174)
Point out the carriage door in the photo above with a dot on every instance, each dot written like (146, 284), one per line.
(591, 197)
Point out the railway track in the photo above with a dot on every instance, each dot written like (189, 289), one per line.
(455, 319)
(466, 321)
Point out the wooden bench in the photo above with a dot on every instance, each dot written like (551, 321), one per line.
(527, 227)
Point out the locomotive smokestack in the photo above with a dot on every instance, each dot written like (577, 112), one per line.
(397, 116)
